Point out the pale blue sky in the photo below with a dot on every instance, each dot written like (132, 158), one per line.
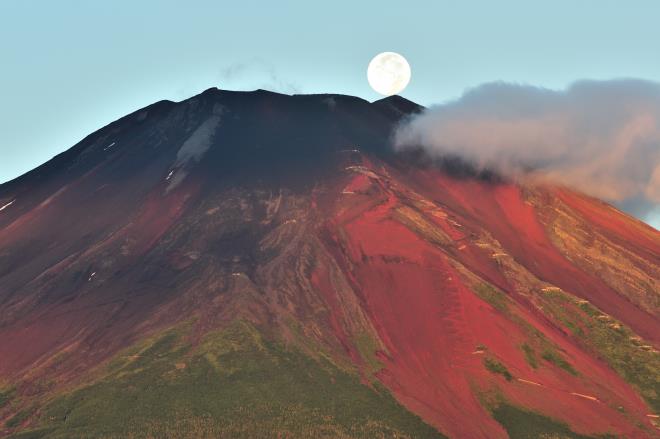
(69, 67)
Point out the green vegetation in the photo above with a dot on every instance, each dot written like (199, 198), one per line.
(6, 395)
(367, 347)
(549, 352)
(32, 434)
(498, 368)
(19, 418)
(553, 357)
(523, 424)
(417, 223)
(497, 299)
(632, 358)
(233, 384)
(530, 355)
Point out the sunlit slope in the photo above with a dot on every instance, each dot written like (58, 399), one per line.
(245, 263)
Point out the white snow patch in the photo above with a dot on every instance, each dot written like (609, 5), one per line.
(177, 178)
(194, 148)
(7, 205)
(91, 276)
(169, 175)
(109, 146)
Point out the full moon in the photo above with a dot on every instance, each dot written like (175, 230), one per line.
(388, 73)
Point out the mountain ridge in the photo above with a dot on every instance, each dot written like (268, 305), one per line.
(186, 242)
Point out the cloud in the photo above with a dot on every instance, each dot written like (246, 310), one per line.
(256, 73)
(601, 137)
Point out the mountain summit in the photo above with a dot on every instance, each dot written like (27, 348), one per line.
(252, 264)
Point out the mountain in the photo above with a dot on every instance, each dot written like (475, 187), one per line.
(251, 264)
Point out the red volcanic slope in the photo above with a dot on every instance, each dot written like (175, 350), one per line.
(513, 222)
(290, 205)
(431, 322)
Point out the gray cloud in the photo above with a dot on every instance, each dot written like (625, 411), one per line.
(601, 137)
(253, 74)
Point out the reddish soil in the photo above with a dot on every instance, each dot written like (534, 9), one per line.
(501, 210)
(431, 322)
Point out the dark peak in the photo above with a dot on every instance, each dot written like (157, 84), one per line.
(214, 92)
(241, 100)
(329, 97)
(397, 106)
(399, 102)
(396, 99)
(394, 107)
(210, 91)
(263, 92)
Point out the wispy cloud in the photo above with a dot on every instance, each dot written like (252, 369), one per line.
(256, 73)
(601, 137)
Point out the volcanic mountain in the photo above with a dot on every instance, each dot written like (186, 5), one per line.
(252, 264)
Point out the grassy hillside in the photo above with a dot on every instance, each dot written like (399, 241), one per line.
(233, 384)
(637, 362)
(523, 424)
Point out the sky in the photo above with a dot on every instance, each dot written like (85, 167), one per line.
(69, 67)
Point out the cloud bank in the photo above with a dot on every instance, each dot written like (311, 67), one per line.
(601, 137)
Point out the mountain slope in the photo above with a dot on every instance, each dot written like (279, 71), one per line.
(268, 264)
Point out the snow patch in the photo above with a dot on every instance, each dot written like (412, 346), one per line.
(7, 205)
(91, 276)
(109, 146)
(194, 148)
(169, 175)
(176, 179)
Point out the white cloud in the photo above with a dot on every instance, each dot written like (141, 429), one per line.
(601, 137)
